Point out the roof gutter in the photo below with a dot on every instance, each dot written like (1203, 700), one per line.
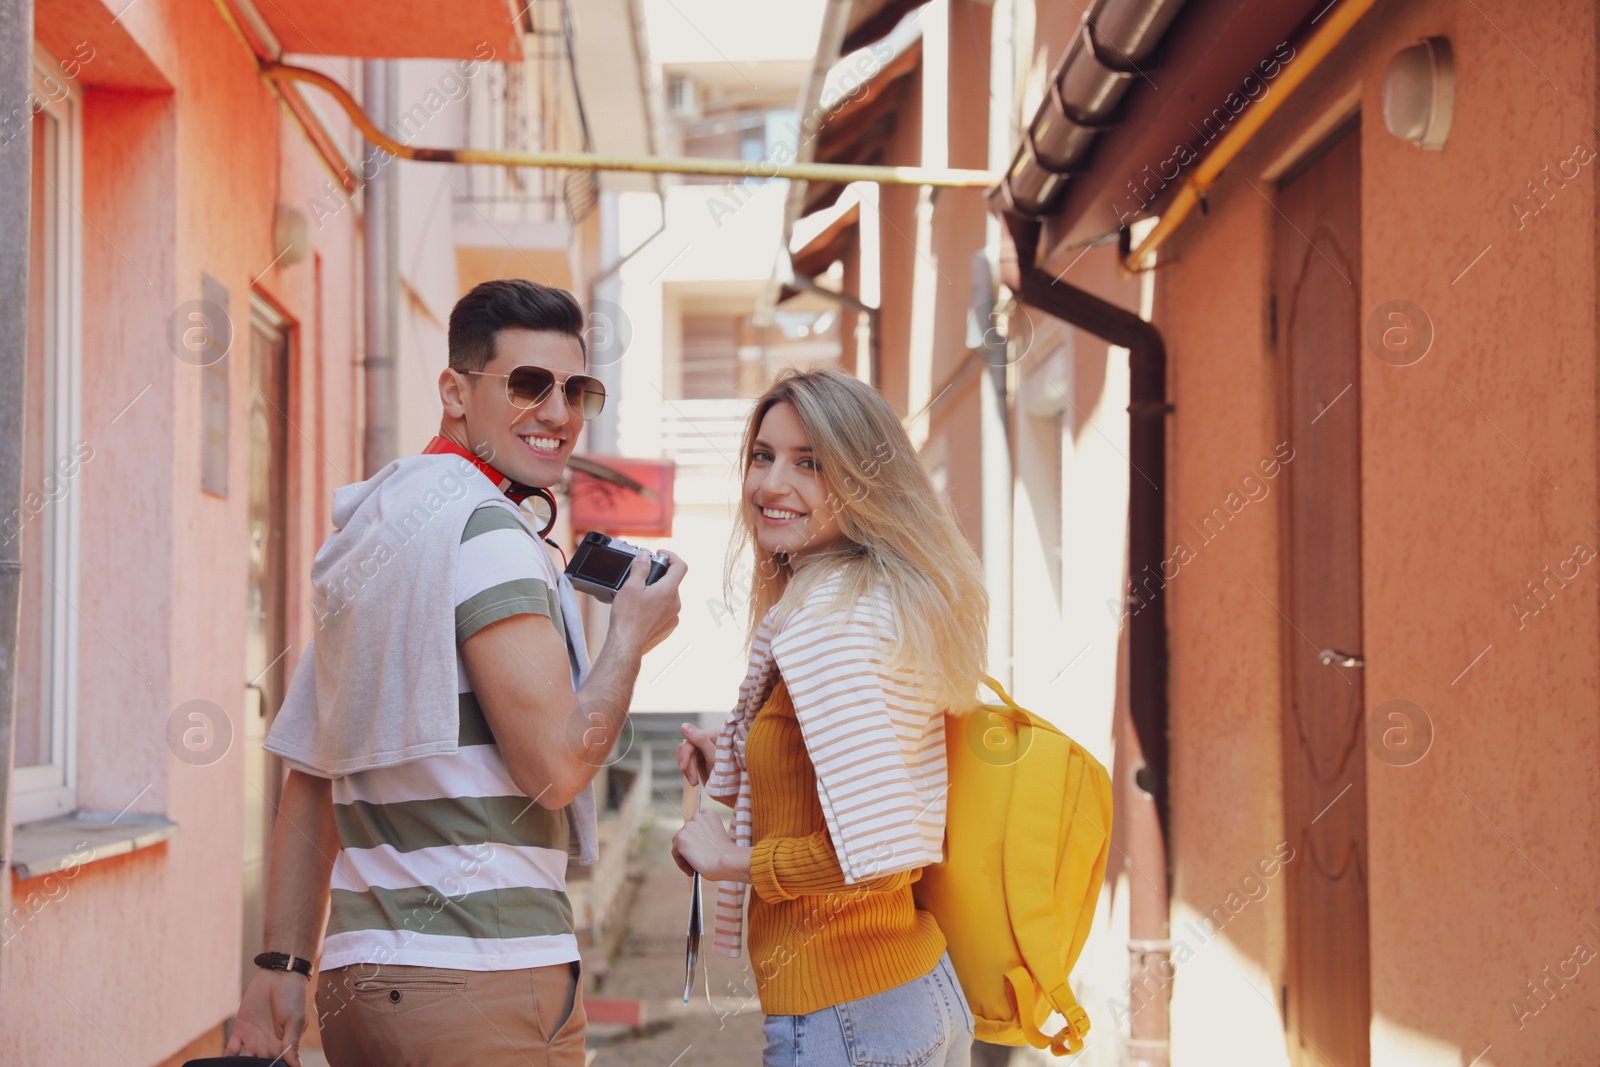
(1195, 186)
(1114, 41)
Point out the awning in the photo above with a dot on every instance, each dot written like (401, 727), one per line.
(858, 129)
(71, 30)
(871, 20)
(622, 497)
(395, 29)
(827, 245)
(1088, 175)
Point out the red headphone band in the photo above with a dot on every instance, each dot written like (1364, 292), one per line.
(515, 491)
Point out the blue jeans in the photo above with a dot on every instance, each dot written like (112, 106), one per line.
(922, 1023)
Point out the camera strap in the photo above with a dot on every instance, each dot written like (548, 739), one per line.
(515, 491)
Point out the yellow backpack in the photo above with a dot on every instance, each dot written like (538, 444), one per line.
(1026, 839)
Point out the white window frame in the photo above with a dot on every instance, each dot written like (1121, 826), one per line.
(50, 789)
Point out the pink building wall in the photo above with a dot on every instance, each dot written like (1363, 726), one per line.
(141, 956)
(1482, 865)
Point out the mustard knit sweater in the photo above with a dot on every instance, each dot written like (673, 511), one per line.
(815, 941)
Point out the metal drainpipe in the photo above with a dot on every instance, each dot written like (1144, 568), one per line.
(849, 303)
(16, 202)
(606, 360)
(1145, 816)
(380, 375)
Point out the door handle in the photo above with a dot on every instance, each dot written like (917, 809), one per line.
(1331, 656)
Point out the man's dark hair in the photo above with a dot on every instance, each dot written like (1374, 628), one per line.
(509, 303)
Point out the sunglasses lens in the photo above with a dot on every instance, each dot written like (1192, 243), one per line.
(528, 386)
(586, 395)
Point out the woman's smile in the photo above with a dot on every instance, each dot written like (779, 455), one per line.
(785, 489)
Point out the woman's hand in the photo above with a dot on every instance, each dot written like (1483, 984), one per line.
(704, 845)
(697, 754)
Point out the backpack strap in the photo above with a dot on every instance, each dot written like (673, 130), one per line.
(1033, 918)
(1023, 991)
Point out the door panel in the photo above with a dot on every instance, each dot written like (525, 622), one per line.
(1316, 283)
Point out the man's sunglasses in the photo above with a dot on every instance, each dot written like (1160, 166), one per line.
(528, 387)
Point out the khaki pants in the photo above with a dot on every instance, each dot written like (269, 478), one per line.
(399, 1016)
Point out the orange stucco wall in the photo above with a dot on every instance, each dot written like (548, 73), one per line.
(1478, 470)
(141, 954)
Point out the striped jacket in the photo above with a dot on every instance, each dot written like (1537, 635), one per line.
(877, 743)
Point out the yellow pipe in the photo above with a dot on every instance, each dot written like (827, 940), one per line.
(732, 168)
(1312, 53)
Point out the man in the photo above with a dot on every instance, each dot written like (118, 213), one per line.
(435, 801)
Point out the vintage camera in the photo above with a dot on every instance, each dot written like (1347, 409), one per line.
(600, 565)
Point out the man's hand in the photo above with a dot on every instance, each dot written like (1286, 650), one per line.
(643, 615)
(704, 845)
(552, 739)
(272, 1016)
(272, 1012)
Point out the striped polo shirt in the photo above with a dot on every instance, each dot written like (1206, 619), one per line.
(443, 861)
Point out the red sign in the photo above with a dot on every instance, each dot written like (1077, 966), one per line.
(622, 497)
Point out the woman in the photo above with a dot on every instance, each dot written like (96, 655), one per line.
(868, 621)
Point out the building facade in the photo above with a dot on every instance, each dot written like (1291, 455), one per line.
(192, 400)
(199, 367)
(1361, 723)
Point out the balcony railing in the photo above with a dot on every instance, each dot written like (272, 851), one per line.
(530, 105)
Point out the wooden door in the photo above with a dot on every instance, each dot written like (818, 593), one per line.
(1317, 285)
(266, 603)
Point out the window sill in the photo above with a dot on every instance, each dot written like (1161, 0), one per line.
(51, 845)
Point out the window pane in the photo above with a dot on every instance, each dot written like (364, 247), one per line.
(710, 356)
(727, 356)
(31, 522)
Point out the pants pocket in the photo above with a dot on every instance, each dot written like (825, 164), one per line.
(900, 1027)
(558, 1003)
(952, 985)
(401, 990)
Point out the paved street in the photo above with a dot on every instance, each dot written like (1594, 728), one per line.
(721, 1026)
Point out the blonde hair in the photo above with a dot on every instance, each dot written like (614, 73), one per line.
(899, 535)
